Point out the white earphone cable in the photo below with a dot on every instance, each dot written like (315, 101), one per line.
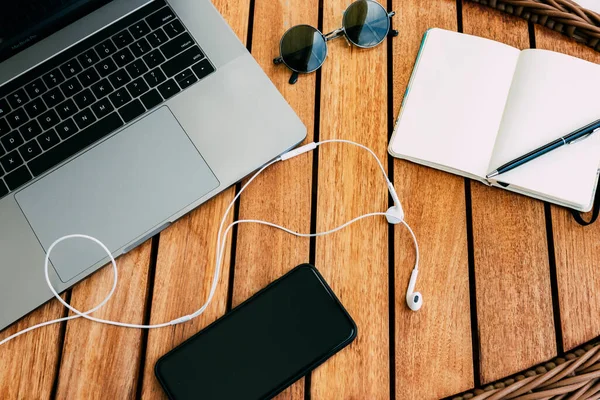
(221, 241)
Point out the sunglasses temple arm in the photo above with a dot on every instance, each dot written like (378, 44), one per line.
(392, 32)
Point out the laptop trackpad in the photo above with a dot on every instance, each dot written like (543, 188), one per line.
(116, 191)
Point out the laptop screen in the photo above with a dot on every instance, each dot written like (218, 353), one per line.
(25, 22)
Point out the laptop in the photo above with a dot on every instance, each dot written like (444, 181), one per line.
(116, 119)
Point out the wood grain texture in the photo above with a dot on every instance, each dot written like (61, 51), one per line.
(355, 260)
(186, 257)
(577, 249)
(184, 273)
(29, 363)
(282, 194)
(436, 341)
(510, 250)
(102, 361)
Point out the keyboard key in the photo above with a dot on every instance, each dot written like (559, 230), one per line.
(84, 118)
(30, 130)
(151, 99)
(203, 68)
(182, 61)
(35, 107)
(3, 189)
(53, 97)
(4, 128)
(122, 39)
(140, 47)
(139, 29)
(53, 78)
(48, 119)
(71, 68)
(35, 89)
(88, 58)
(17, 118)
(48, 139)
(106, 67)
(160, 17)
(120, 97)
(75, 144)
(105, 48)
(183, 75)
(123, 57)
(12, 141)
(136, 68)
(66, 129)
(102, 108)
(4, 107)
(157, 38)
(88, 77)
(168, 89)
(102, 88)
(71, 87)
(174, 28)
(155, 77)
(18, 178)
(137, 87)
(119, 78)
(84, 99)
(18, 98)
(2, 152)
(187, 80)
(177, 45)
(11, 161)
(132, 110)
(154, 59)
(29, 150)
(66, 109)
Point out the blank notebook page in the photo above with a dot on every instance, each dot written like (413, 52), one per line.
(452, 111)
(552, 95)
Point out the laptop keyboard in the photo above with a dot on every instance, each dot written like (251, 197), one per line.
(87, 92)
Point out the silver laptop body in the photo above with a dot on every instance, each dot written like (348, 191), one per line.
(206, 119)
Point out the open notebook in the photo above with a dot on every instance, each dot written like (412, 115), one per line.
(473, 104)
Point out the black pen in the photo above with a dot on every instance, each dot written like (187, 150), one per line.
(571, 138)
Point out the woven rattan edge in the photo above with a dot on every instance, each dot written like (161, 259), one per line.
(563, 16)
(577, 372)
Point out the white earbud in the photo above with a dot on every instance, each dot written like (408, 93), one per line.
(413, 300)
(394, 214)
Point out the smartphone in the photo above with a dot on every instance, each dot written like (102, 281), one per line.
(262, 346)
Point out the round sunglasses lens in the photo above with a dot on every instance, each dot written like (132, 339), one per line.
(303, 48)
(366, 23)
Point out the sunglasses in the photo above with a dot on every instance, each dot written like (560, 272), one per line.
(303, 48)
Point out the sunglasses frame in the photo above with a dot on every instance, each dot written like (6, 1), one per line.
(340, 32)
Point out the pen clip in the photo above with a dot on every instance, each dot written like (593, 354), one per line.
(583, 137)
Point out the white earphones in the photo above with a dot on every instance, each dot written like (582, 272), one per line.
(413, 300)
(394, 215)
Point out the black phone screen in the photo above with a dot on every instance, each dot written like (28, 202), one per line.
(263, 345)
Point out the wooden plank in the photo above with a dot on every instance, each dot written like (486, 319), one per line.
(514, 299)
(101, 361)
(29, 363)
(436, 341)
(577, 249)
(186, 257)
(283, 193)
(355, 260)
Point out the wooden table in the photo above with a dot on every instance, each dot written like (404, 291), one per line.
(508, 282)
